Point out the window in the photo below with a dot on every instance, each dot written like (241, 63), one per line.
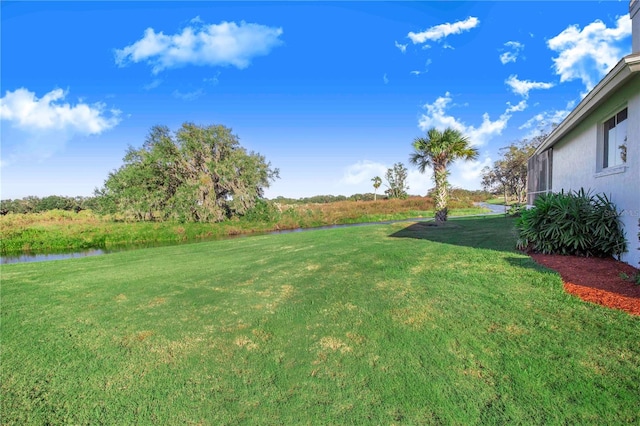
(615, 140)
(539, 175)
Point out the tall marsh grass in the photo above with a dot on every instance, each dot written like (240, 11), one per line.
(59, 230)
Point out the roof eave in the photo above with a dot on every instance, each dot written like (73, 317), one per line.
(619, 75)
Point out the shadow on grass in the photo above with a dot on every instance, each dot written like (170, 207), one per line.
(486, 232)
(599, 278)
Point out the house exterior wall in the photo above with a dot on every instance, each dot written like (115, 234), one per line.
(577, 155)
(634, 9)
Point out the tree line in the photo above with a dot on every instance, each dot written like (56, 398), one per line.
(324, 199)
(33, 204)
(203, 174)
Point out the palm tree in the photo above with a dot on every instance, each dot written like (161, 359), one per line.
(437, 150)
(376, 184)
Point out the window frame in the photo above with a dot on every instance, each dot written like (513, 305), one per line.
(611, 122)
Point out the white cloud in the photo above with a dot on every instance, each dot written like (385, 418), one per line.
(463, 174)
(221, 44)
(468, 174)
(544, 122)
(402, 47)
(546, 119)
(590, 53)
(385, 79)
(507, 57)
(155, 83)
(419, 183)
(42, 126)
(426, 68)
(441, 31)
(512, 54)
(362, 172)
(519, 107)
(514, 45)
(436, 116)
(212, 80)
(522, 87)
(533, 121)
(189, 96)
(22, 108)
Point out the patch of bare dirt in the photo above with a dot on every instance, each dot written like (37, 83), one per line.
(596, 280)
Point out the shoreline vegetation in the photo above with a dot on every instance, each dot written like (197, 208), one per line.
(58, 230)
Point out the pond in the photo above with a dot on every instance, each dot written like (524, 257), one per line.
(30, 257)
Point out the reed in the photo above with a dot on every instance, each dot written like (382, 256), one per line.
(58, 230)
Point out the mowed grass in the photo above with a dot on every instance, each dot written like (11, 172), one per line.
(384, 324)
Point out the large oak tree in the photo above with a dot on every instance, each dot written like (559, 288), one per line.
(199, 173)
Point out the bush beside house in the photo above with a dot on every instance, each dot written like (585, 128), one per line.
(572, 223)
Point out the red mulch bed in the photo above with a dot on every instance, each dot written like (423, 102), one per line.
(596, 280)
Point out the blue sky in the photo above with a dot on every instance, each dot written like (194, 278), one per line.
(330, 93)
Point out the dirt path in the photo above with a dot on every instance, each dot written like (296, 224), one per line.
(596, 280)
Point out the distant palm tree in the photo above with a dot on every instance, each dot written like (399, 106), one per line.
(376, 184)
(438, 150)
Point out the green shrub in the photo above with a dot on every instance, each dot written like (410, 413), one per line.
(263, 211)
(516, 209)
(575, 223)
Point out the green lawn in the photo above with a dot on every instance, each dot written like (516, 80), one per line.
(383, 324)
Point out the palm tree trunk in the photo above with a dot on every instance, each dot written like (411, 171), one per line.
(440, 177)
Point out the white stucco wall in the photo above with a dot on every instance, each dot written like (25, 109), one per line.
(634, 13)
(575, 163)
